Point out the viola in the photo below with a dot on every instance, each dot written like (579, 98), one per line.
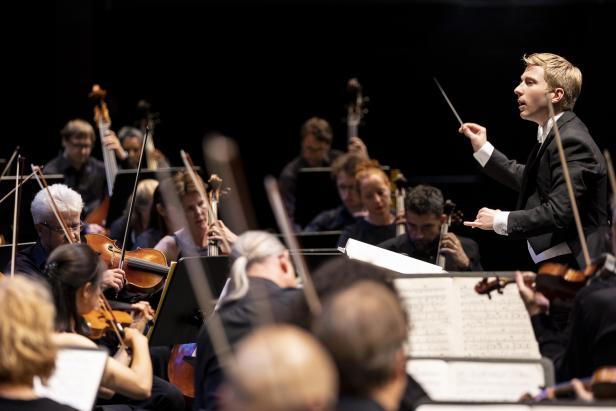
(145, 268)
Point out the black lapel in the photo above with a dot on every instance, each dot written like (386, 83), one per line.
(537, 153)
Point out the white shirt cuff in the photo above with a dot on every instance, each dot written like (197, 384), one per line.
(484, 153)
(500, 222)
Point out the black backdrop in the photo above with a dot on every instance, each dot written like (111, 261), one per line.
(255, 71)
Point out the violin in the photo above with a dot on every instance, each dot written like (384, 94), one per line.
(145, 268)
(602, 384)
(100, 321)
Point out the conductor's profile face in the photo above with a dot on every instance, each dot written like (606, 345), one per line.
(531, 95)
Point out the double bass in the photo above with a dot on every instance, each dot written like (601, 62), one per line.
(103, 123)
(451, 216)
(356, 108)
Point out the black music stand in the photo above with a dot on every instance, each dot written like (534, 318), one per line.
(27, 232)
(315, 192)
(178, 316)
(123, 187)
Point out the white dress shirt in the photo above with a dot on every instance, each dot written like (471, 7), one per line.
(500, 219)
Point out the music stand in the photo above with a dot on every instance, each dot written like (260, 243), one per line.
(27, 232)
(178, 316)
(315, 192)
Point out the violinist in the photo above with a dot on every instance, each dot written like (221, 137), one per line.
(339, 218)
(374, 191)
(32, 260)
(543, 215)
(75, 274)
(28, 351)
(424, 217)
(200, 230)
(82, 172)
(588, 341)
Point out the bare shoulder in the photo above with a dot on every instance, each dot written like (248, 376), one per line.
(168, 246)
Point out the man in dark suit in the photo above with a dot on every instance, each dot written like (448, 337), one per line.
(424, 218)
(543, 215)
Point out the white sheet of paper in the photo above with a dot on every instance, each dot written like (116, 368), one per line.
(76, 379)
(448, 319)
(480, 407)
(390, 260)
(475, 380)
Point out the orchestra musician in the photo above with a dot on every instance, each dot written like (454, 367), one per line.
(316, 138)
(424, 217)
(31, 260)
(588, 341)
(262, 280)
(140, 218)
(27, 349)
(365, 328)
(344, 169)
(127, 146)
(374, 191)
(281, 368)
(75, 274)
(82, 172)
(543, 215)
(200, 230)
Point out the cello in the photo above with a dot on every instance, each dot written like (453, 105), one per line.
(451, 216)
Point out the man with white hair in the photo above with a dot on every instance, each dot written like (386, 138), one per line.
(263, 288)
(32, 260)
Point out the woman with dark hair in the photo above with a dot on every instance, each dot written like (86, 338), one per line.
(74, 272)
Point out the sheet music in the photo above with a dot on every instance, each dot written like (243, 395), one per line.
(433, 324)
(448, 319)
(499, 327)
(476, 381)
(76, 379)
(390, 260)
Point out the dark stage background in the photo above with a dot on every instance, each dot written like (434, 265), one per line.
(255, 71)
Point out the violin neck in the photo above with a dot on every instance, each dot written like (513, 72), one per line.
(111, 165)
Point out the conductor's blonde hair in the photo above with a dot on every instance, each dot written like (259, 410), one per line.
(559, 73)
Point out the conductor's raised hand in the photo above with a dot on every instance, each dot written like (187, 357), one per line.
(475, 133)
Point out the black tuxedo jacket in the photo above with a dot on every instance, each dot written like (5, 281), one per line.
(544, 214)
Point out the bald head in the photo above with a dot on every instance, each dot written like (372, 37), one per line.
(282, 368)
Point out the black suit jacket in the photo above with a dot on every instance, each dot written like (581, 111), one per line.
(544, 213)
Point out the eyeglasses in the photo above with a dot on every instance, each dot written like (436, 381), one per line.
(74, 228)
